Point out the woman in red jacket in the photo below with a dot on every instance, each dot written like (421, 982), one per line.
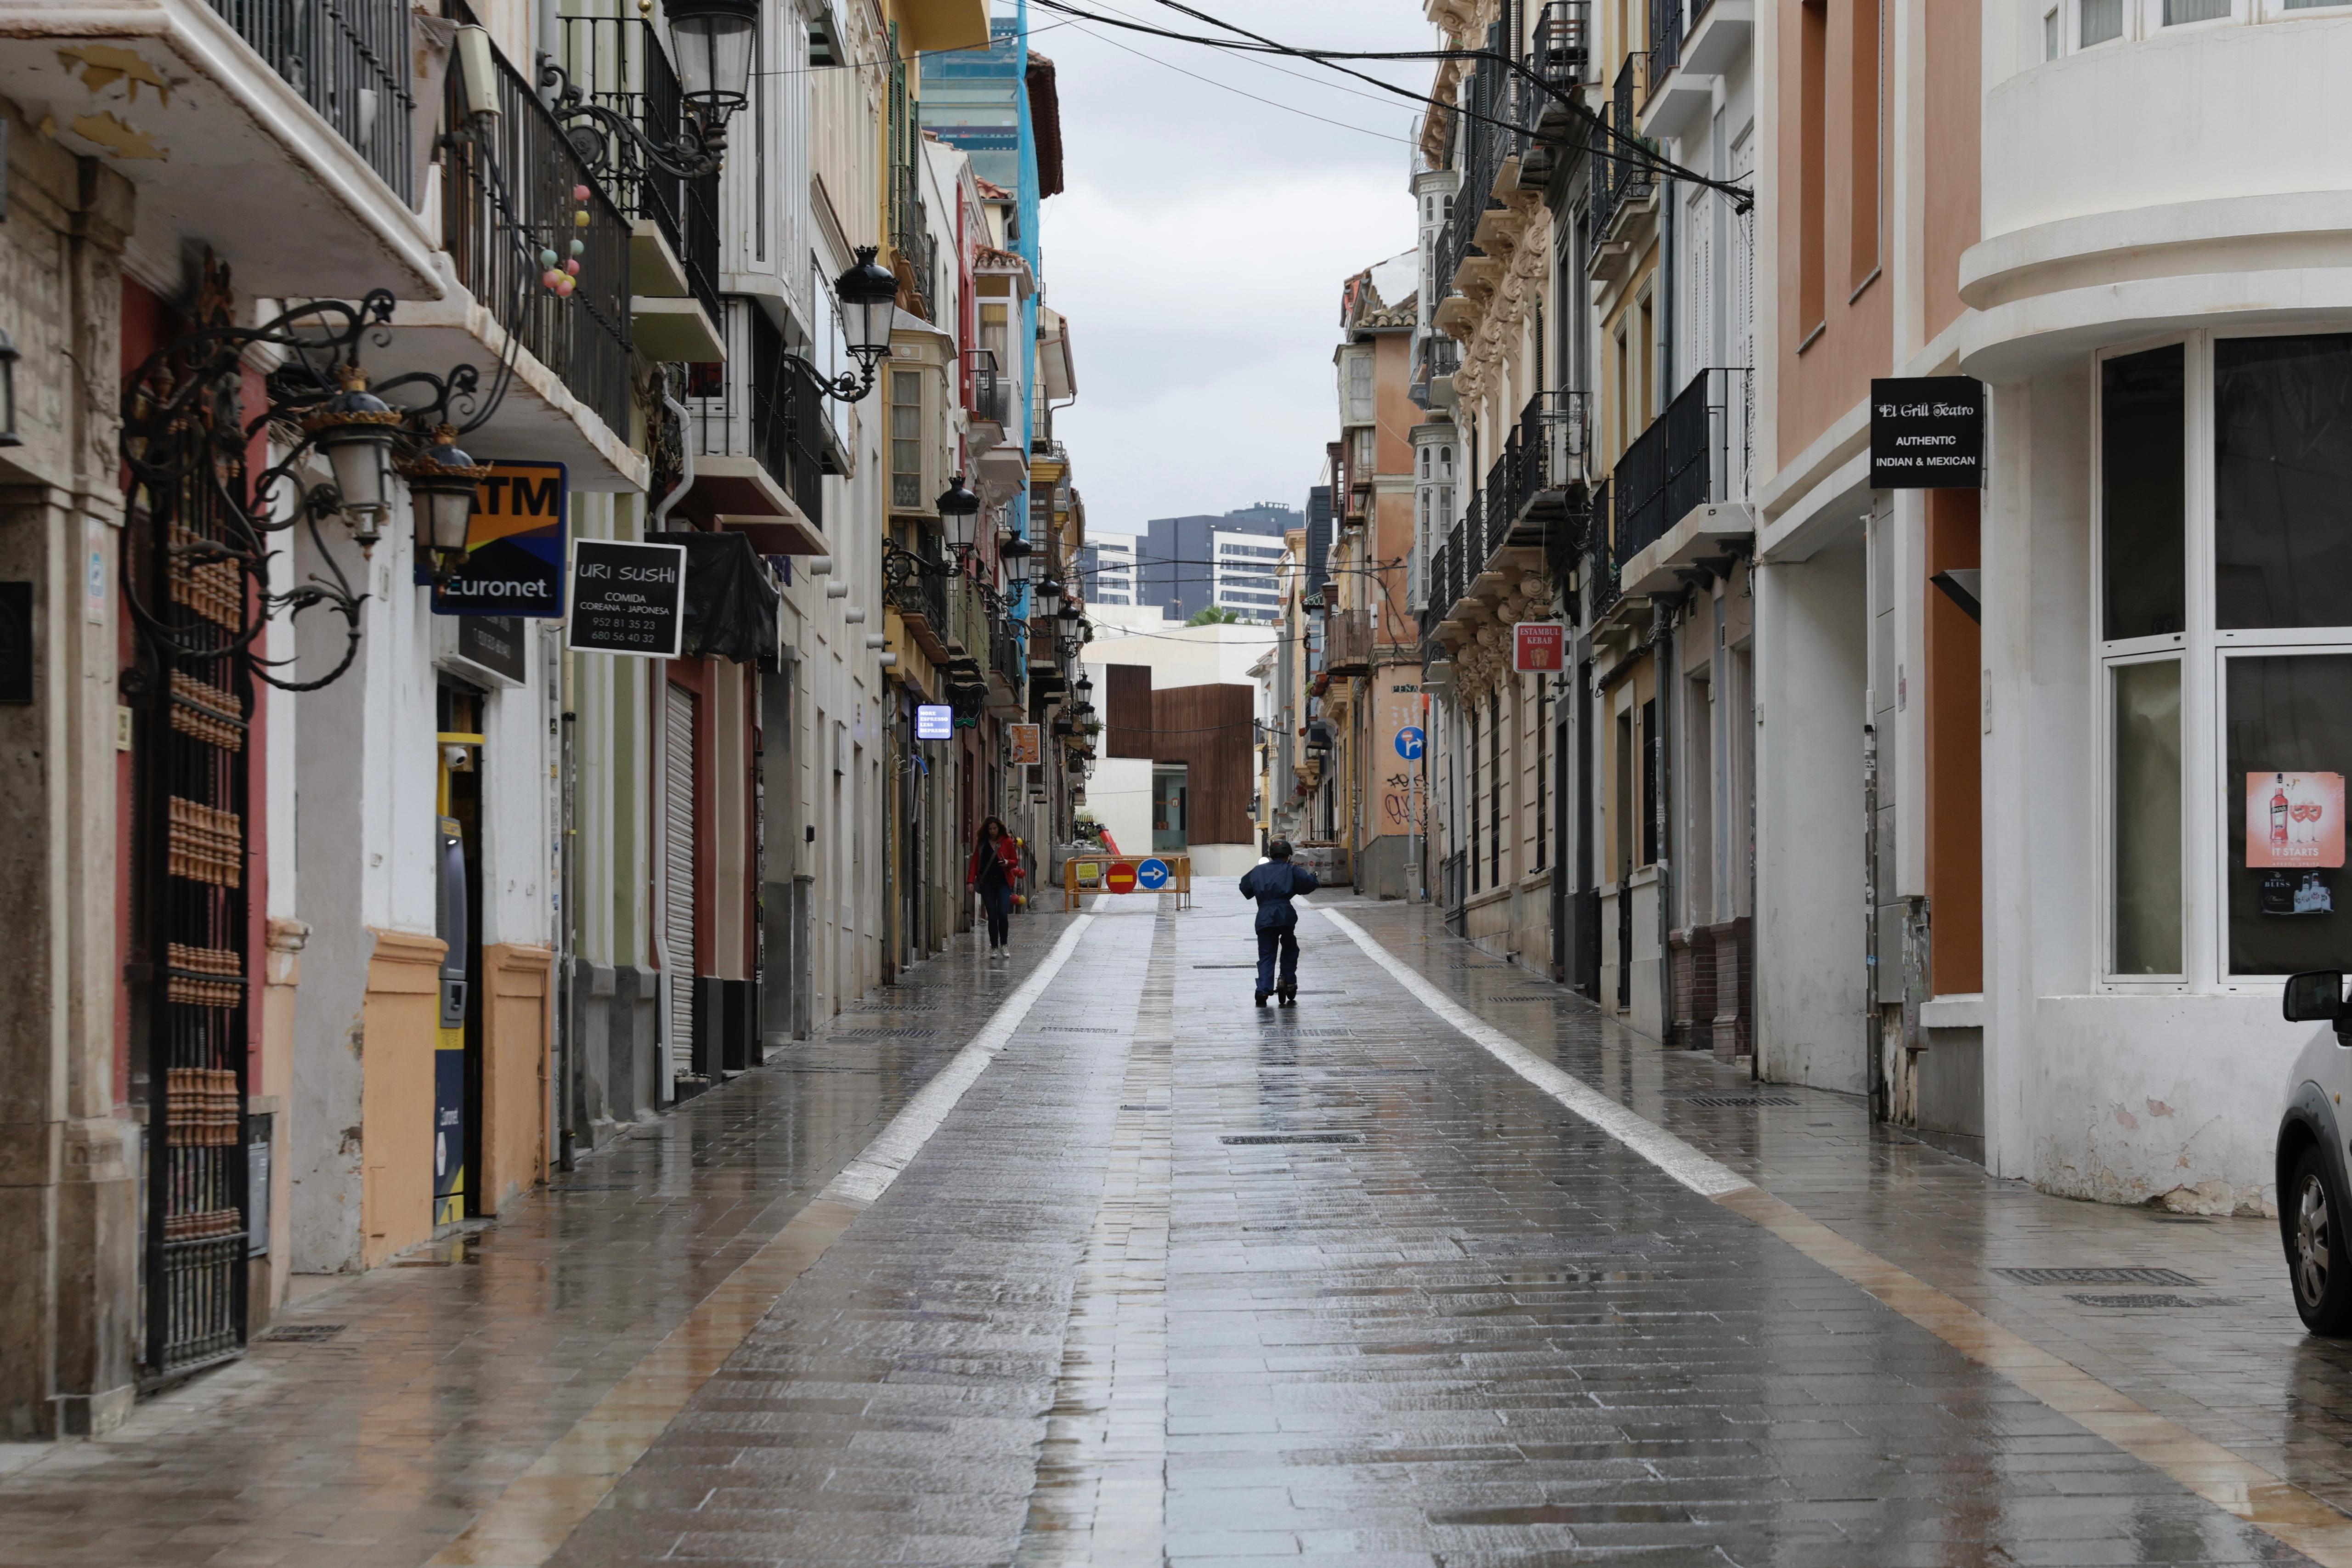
(994, 867)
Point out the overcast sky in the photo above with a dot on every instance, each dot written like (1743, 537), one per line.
(1199, 246)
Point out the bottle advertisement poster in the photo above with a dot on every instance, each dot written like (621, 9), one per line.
(2295, 820)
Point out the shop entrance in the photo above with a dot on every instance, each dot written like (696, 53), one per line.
(458, 921)
(1168, 809)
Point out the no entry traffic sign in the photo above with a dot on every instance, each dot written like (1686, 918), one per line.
(1120, 878)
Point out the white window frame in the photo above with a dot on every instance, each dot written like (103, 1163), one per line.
(2152, 24)
(2203, 650)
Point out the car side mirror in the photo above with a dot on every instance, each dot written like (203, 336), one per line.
(2314, 996)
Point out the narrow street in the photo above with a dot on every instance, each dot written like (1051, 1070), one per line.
(1079, 1259)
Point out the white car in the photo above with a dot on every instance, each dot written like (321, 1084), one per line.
(2311, 1186)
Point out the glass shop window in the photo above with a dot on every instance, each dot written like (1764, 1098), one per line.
(2143, 488)
(2288, 721)
(2282, 482)
(2146, 910)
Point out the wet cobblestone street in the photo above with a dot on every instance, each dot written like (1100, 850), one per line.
(1082, 1258)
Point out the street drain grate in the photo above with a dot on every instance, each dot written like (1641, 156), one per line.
(1224, 966)
(1735, 1099)
(2134, 1300)
(1256, 1138)
(306, 1333)
(2095, 1276)
(1071, 1029)
(1143, 1107)
(884, 1035)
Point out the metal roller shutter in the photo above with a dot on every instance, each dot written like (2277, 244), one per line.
(678, 898)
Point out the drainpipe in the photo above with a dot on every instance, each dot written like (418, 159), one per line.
(1663, 655)
(548, 17)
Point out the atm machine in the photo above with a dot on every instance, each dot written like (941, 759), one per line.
(449, 1097)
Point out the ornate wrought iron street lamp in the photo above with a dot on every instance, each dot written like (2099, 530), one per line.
(442, 484)
(959, 509)
(711, 44)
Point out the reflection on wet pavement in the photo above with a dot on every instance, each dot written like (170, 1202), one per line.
(1179, 1279)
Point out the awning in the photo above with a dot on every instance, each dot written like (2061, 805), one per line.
(730, 600)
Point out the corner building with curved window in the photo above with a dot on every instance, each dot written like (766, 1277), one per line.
(2101, 824)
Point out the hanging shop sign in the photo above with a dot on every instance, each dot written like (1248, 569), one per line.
(496, 643)
(1027, 742)
(934, 721)
(1926, 433)
(514, 545)
(1539, 647)
(2295, 834)
(626, 598)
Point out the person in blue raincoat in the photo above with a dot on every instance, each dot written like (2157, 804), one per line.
(1273, 882)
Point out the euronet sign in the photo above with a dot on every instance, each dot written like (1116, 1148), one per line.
(514, 546)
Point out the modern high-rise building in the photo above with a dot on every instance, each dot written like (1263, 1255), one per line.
(1106, 568)
(1178, 566)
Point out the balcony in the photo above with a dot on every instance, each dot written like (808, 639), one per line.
(967, 632)
(1682, 487)
(280, 133)
(1348, 643)
(987, 401)
(1560, 56)
(618, 63)
(1691, 42)
(757, 433)
(1435, 359)
(1008, 661)
(506, 194)
(917, 588)
(1624, 191)
(914, 255)
(1494, 135)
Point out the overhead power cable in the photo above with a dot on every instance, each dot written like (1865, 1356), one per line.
(1636, 151)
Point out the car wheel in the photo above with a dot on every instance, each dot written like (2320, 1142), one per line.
(2316, 1248)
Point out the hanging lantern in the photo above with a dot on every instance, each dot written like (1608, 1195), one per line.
(355, 429)
(869, 300)
(442, 486)
(711, 42)
(960, 509)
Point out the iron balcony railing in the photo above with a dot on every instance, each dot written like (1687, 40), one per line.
(1666, 29)
(1706, 442)
(1007, 654)
(507, 197)
(1602, 587)
(618, 62)
(989, 398)
(349, 59)
(1639, 492)
(1558, 58)
(1434, 356)
(1621, 175)
(1494, 128)
(967, 629)
(760, 406)
(1562, 50)
(916, 586)
(910, 235)
(1695, 455)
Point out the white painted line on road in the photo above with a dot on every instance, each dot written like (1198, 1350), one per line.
(1706, 1176)
(869, 1175)
(528, 1522)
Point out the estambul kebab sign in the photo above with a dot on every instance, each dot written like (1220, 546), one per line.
(1926, 433)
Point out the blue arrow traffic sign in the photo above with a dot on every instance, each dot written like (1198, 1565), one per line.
(1408, 744)
(1151, 875)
